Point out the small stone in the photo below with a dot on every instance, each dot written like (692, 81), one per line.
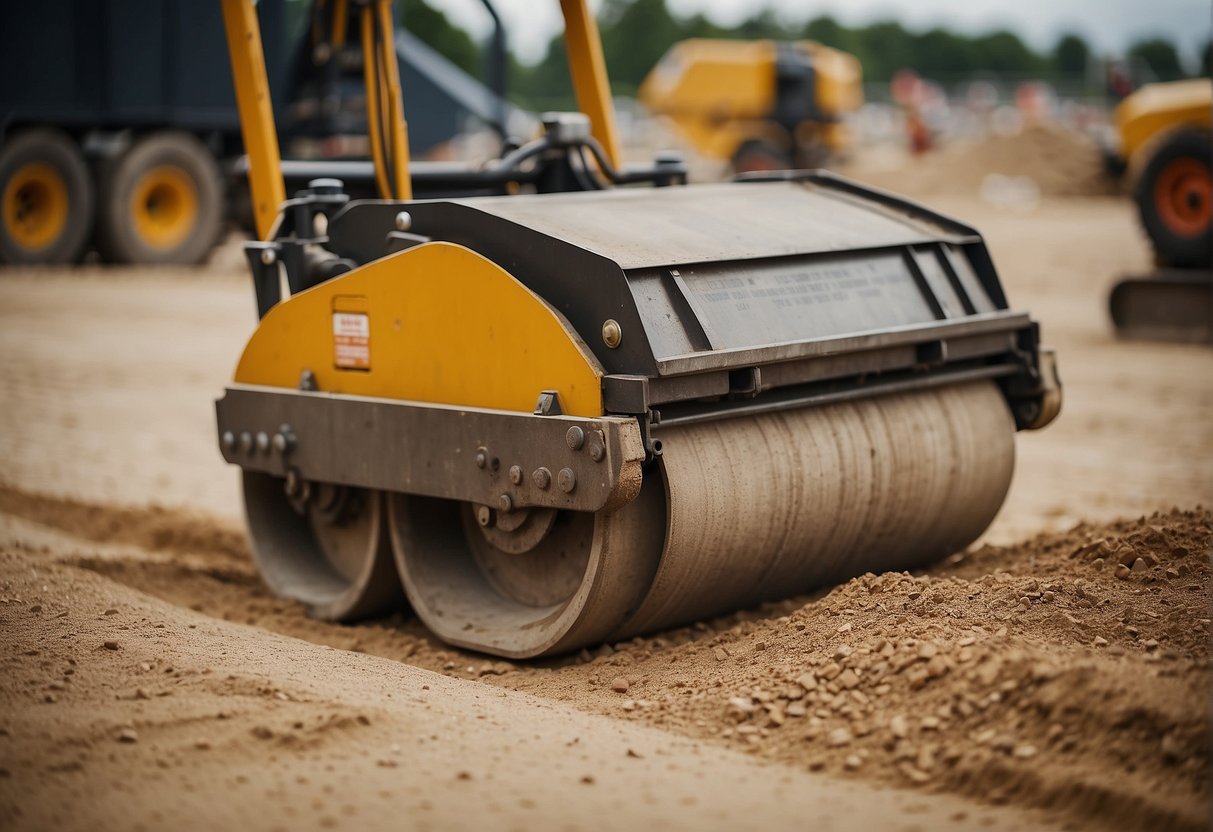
(261, 732)
(937, 666)
(831, 671)
(111, 611)
(927, 649)
(1139, 566)
(1025, 751)
(930, 723)
(202, 745)
(1122, 571)
(796, 709)
(739, 708)
(588, 779)
(839, 737)
(807, 680)
(853, 762)
(110, 645)
(1100, 641)
(848, 679)
(1171, 573)
(1172, 750)
(918, 678)
(620, 685)
(629, 704)
(463, 775)
(128, 735)
(720, 654)
(842, 652)
(900, 726)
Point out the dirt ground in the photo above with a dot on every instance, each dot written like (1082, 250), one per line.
(1056, 675)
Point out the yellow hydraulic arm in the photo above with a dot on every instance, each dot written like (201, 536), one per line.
(587, 67)
(256, 112)
(386, 127)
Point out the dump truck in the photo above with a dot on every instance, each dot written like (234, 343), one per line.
(129, 142)
(1165, 144)
(758, 105)
(604, 401)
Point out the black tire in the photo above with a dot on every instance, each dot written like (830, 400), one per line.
(46, 198)
(161, 202)
(758, 155)
(1173, 196)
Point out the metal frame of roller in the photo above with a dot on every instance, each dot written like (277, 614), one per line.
(560, 418)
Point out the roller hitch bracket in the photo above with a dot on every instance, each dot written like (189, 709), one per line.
(472, 454)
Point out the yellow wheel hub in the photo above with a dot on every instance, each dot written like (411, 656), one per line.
(164, 207)
(35, 206)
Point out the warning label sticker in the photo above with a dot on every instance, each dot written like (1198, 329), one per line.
(352, 340)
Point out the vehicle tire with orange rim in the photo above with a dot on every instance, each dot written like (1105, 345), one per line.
(46, 198)
(161, 202)
(757, 155)
(1174, 195)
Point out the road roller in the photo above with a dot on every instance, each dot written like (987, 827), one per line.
(600, 402)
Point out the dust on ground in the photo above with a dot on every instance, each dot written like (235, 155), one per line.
(1054, 161)
(1069, 673)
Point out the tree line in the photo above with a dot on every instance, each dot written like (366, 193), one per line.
(636, 33)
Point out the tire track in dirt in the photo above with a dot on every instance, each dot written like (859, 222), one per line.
(1069, 672)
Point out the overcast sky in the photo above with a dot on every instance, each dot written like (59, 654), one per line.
(1110, 25)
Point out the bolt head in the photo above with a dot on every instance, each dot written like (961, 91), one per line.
(567, 480)
(542, 478)
(484, 515)
(229, 440)
(597, 452)
(404, 221)
(505, 502)
(263, 442)
(269, 256)
(246, 442)
(575, 437)
(482, 459)
(516, 474)
(612, 333)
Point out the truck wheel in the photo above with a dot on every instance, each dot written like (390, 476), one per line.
(47, 194)
(161, 202)
(758, 155)
(1174, 195)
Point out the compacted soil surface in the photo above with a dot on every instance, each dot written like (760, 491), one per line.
(1054, 675)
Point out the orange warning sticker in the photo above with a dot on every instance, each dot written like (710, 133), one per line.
(352, 340)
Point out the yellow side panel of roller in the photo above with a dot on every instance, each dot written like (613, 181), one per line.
(436, 323)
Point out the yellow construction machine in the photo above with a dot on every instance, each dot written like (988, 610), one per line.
(579, 411)
(1165, 141)
(760, 105)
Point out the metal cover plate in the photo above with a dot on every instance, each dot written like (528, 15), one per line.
(712, 223)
